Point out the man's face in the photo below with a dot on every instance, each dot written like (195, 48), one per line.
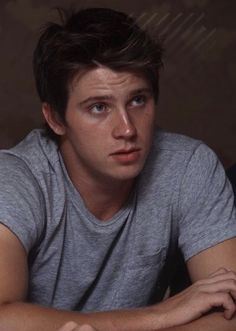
(109, 124)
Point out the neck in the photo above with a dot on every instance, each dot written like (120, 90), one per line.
(103, 197)
(103, 201)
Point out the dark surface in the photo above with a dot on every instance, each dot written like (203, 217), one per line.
(231, 172)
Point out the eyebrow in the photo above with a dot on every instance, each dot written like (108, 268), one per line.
(96, 98)
(140, 91)
(110, 97)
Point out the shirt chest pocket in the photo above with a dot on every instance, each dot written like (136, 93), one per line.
(139, 280)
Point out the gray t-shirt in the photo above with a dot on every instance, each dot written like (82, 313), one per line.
(78, 262)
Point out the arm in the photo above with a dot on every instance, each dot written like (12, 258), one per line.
(200, 266)
(213, 322)
(72, 326)
(17, 315)
(207, 217)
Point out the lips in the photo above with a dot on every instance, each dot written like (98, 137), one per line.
(126, 156)
(126, 151)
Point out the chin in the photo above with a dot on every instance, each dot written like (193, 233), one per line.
(128, 174)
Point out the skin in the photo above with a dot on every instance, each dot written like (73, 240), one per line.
(121, 122)
(72, 326)
(115, 111)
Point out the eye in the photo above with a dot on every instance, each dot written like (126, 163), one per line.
(98, 108)
(138, 100)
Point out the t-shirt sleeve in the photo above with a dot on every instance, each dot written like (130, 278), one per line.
(21, 201)
(206, 204)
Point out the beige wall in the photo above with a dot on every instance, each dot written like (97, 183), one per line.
(198, 81)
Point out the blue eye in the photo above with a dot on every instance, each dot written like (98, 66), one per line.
(138, 100)
(98, 108)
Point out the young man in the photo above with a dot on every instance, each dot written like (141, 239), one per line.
(93, 208)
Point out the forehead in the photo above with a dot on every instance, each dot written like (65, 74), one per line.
(102, 79)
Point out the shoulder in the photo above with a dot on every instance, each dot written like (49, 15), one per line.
(36, 153)
(172, 153)
(174, 142)
(34, 164)
(176, 164)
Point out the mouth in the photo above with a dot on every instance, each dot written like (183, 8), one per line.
(126, 156)
(126, 151)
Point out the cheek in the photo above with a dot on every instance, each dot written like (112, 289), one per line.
(146, 123)
(89, 139)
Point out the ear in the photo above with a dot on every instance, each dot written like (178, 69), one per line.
(53, 120)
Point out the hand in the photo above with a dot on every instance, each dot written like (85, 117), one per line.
(72, 326)
(217, 290)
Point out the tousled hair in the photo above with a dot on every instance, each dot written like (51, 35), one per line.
(88, 38)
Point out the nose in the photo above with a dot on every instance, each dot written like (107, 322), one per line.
(123, 126)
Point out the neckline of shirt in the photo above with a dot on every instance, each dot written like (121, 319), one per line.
(79, 204)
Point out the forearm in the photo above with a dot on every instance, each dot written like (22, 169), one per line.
(28, 317)
(211, 322)
(218, 290)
